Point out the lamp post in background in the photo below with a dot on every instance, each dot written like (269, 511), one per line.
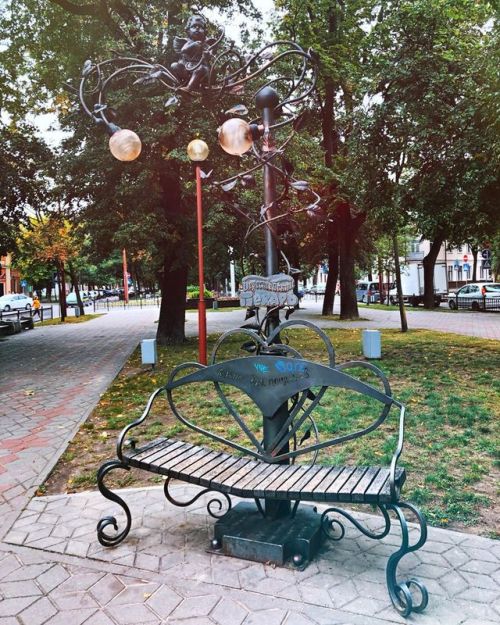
(198, 152)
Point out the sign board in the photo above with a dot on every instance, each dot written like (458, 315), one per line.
(486, 254)
(486, 264)
(466, 258)
(276, 290)
(24, 283)
(456, 264)
(466, 267)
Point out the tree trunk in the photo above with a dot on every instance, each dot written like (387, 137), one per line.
(474, 263)
(74, 284)
(399, 287)
(173, 277)
(333, 270)
(348, 229)
(62, 292)
(173, 283)
(429, 262)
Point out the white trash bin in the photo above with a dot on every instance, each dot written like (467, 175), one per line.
(148, 352)
(372, 344)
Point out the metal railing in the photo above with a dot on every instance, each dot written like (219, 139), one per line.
(136, 302)
(480, 302)
(46, 312)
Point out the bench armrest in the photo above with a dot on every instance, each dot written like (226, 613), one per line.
(397, 453)
(127, 428)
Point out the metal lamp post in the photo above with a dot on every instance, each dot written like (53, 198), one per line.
(198, 152)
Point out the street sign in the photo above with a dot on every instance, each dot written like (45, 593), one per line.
(466, 267)
(456, 264)
(466, 258)
(486, 254)
(24, 283)
(486, 264)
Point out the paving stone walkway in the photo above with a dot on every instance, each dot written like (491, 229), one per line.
(53, 571)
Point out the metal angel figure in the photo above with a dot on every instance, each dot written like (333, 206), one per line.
(194, 63)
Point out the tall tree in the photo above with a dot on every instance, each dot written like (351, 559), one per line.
(142, 204)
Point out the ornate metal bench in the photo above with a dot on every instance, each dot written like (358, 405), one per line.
(273, 376)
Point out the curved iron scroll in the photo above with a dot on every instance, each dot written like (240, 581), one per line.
(184, 504)
(327, 524)
(400, 592)
(105, 539)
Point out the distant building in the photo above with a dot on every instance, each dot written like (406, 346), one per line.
(459, 262)
(10, 280)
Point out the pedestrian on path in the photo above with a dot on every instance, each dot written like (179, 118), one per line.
(36, 306)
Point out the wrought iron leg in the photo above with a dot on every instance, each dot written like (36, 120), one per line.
(104, 538)
(400, 593)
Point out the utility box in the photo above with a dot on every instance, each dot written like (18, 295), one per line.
(372, 344)
(148, 352)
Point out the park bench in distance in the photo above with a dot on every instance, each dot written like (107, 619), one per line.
(270, 376)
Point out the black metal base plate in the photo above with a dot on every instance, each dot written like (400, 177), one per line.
(244, 533)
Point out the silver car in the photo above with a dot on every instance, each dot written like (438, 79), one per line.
(15, 301)
(476, 295)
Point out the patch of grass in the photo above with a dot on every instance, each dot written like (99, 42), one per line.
(451, 450)
(57, 320)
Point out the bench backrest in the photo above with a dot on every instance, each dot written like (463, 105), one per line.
(270, 381)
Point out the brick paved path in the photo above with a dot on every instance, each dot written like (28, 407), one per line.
(53, 571)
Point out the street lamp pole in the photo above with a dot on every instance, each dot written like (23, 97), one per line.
(267, 99)
(198, 151)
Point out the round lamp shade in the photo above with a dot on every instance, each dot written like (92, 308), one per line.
(125, 145)
(235, 136)
(197, 150)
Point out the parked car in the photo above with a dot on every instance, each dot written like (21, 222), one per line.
(72, 301)
(363, 289)
(317, 289)
(15, 301)
(476, 295)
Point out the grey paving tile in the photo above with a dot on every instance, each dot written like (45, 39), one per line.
(38, 613)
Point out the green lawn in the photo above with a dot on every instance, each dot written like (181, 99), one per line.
(448, 382)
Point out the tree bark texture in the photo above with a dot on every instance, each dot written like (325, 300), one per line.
(333, 270)
(399, 287)
(348, 228)
(173, 277)
(429, 262)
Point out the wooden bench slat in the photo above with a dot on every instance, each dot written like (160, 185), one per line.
(384, 495)
(279, 469)
(164, 442)
(331, 476)
(168, 463)
(350, 485)
(246, 486)
(331, 493)
(357, 495)
(319, 477)
(282, 490)
(203, 466)
(151, 458)
(296, 491)
(186, 462)
(372, 493)
(280, 478)
(236, 474)
(215, 472)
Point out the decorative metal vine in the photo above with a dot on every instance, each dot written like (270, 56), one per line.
(213, 69)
